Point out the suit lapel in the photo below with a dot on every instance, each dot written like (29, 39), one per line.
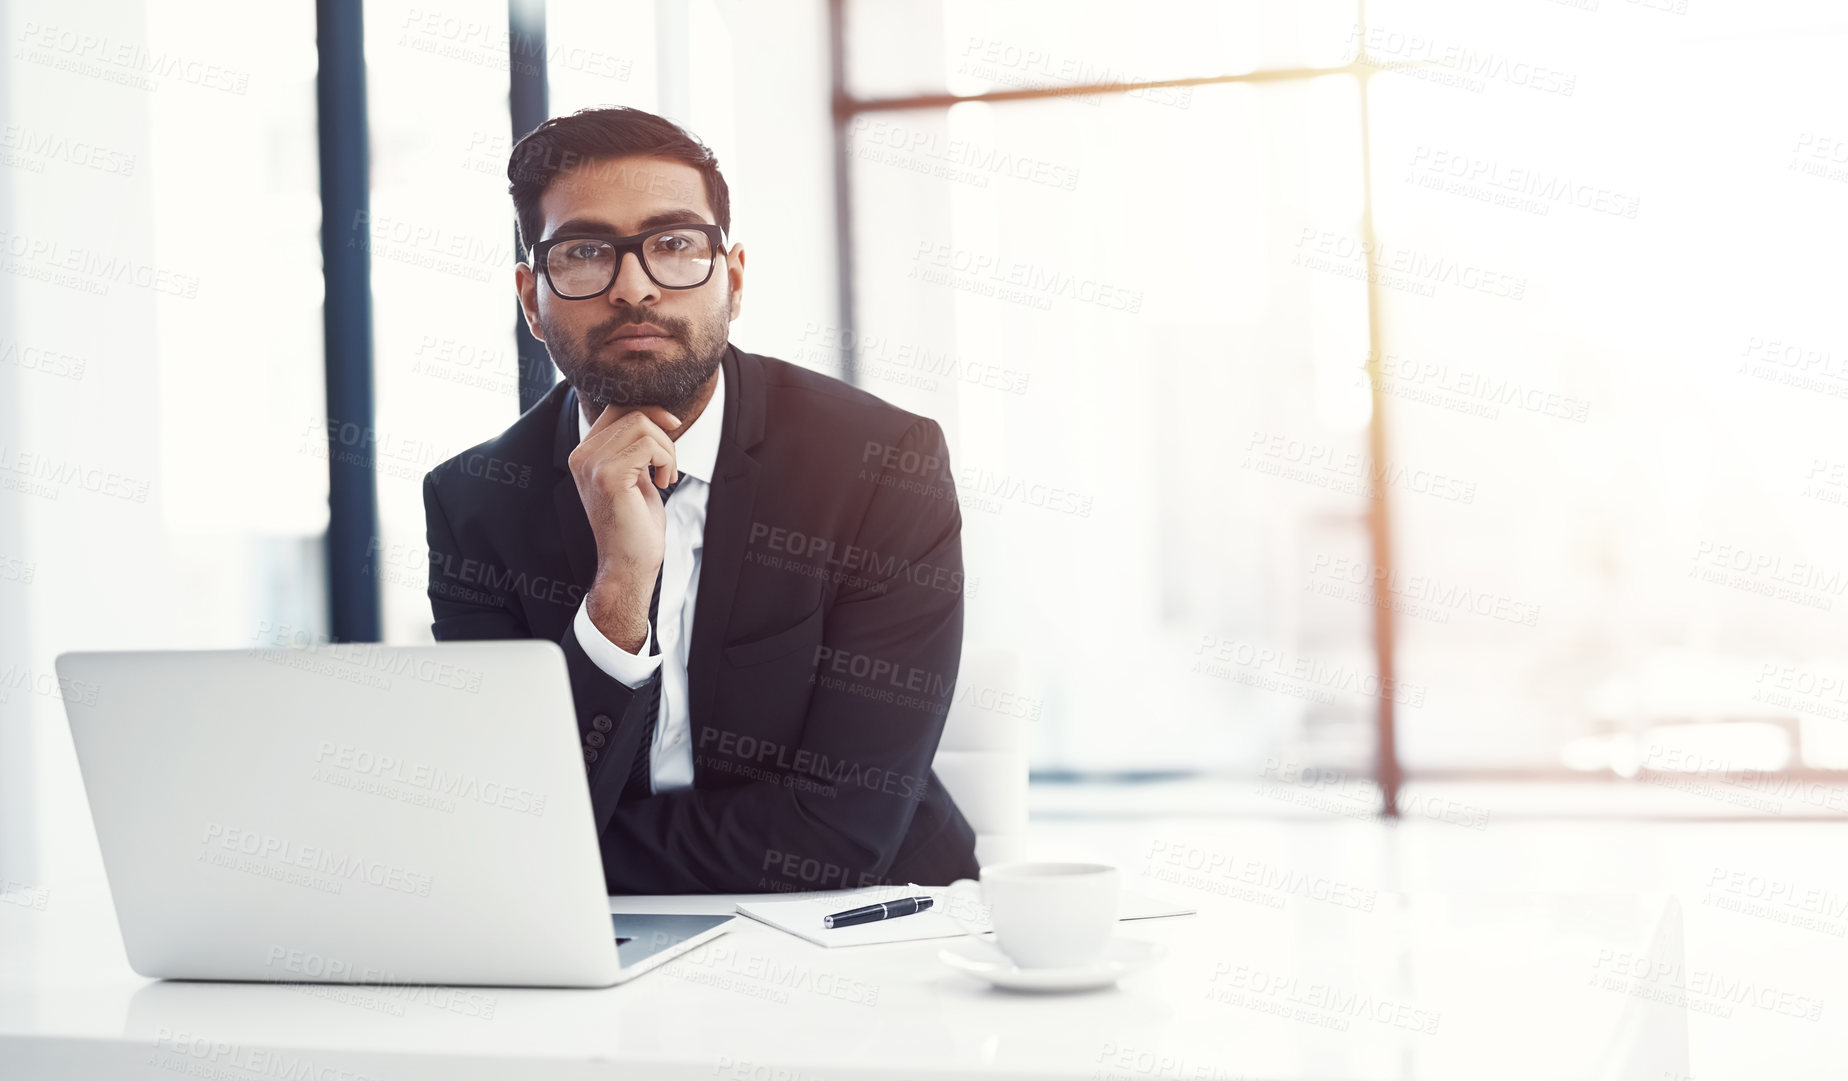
(729, 509)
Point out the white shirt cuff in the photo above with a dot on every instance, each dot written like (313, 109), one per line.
(629, 669)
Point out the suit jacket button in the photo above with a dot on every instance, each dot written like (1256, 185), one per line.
(601, 722)
(595, 739)
(590, 754)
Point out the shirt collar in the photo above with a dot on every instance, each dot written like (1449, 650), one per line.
(696, 452)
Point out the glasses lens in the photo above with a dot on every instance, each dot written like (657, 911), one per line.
(679, 257)
(581, 268)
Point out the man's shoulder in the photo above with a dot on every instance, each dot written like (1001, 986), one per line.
(805, 404)
(515, 458)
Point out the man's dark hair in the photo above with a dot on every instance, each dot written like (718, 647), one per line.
(579, 143)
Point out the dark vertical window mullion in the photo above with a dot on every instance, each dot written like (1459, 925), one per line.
(527, 107)
(352, 488)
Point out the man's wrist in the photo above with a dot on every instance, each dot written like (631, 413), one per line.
(614, 611)
(631, 668)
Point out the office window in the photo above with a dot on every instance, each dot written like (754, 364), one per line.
(1612, 499)
(1099, 299)
(160, 355)
(1650, 571)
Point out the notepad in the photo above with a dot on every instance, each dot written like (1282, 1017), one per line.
(802, 918)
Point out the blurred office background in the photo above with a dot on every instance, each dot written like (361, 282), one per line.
(1441, 398)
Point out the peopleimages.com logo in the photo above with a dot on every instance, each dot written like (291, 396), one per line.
(385, 773)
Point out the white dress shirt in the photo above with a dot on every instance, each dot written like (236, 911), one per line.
(696, 453)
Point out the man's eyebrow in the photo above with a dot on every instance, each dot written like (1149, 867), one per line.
(677, 216)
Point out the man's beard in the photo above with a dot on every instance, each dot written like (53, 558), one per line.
(669, 376)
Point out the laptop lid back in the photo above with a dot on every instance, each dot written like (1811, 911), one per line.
(345, 813)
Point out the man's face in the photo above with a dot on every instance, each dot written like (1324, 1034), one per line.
(592, 341)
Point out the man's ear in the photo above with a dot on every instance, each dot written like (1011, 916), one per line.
(526, 284)
(734, 266)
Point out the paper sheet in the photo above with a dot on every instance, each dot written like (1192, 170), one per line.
(802, 917)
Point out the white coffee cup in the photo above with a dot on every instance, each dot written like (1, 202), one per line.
(1044, 915)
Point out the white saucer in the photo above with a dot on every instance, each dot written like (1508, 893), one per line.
(985, 961)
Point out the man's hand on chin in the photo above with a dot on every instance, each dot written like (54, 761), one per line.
(627, 516)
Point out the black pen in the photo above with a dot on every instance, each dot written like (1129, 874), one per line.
(884, 910)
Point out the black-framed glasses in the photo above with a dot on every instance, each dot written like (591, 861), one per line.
(584, 265)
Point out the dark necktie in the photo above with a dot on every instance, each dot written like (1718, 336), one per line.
(639, 786)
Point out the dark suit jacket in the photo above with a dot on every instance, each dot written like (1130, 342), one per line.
(826, 635)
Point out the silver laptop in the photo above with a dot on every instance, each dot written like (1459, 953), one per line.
(354, 814)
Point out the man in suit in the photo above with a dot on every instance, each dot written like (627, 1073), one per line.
(754, 570)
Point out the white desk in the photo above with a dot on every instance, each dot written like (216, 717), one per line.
(1267, 982)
